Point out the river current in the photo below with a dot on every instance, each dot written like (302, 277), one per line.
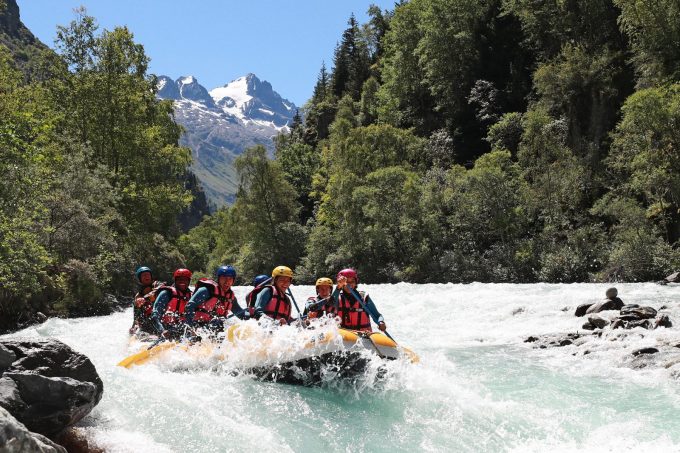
(478, 387)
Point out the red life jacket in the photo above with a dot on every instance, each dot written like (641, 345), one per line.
(219, 304)
(174, 313)
(279, 305)
(251, 298)
(148, 293)
(351, 313)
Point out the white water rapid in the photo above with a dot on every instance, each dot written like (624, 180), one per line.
(479, 387)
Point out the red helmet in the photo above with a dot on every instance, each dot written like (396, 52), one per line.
(348, 273)
(182, 273)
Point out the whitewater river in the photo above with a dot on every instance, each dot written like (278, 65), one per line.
(478, 387)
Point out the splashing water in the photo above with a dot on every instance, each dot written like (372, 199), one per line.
(478, 386)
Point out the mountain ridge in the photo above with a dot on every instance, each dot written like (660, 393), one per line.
(222, 123)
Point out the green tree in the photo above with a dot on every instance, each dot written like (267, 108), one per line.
(653, 27)
(261, 230)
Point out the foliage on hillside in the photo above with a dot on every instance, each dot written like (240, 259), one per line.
(92, 181)
(495, 140)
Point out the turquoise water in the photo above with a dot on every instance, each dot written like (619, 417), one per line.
(478, 387)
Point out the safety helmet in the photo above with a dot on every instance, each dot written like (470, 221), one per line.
(226, 271)
(348, 273)
(181, 273)
(257, 281)
(282, 271)
(324, 281)
(140, 271)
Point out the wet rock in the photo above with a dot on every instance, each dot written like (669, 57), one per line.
(618, 303)
(662, 321)
(52, 386)
(588, 326)
(630, 324)
(649, 350)
(581, 309)
(639, 312)
(40, 317)
(553, 340)
(673, 278)
(597, 321)
(644, 323)
(10, 398)
(602, 306)
(7, 357)
(75, 441)
(16, 438)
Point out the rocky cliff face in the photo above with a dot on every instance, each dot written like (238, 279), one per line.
(222, 123)
(22, 44)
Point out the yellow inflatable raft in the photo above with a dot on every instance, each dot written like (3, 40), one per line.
(346, 351)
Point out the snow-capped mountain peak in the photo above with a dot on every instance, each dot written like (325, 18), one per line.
(220, 124)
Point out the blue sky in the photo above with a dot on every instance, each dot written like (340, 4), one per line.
(282, 42)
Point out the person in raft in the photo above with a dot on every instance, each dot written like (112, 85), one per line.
(143, 301)
(322, 304)
(272, 300)
(259, 283)
(349, 309)
(213, 300)
(169, 308)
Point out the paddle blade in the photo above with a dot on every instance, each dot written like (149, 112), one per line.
(145, 354)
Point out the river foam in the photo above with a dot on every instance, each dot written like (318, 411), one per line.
(478, 387)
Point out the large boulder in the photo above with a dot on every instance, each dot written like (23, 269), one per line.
(638, 312)
(581, 309)
(16, 438)
(602, 306)
(49, 386)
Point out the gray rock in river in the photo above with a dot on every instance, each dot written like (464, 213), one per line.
(597, 321)
(605, 305)
(49, 386)
(581, 309)
(16, 438)
(663, 321)
(638, 312)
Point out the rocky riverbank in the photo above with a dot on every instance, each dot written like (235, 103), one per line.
(45, 387)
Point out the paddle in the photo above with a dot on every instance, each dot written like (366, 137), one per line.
(290, 293)
(160, 340)
(372, 314)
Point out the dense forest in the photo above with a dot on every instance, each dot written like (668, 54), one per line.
(92, 180)
(474, 140)
(448, 141)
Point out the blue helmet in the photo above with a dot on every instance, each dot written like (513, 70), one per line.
(257, 281)
(141, 270)
(226, 271)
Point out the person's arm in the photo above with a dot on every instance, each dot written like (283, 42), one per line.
(312, 304)
(159, 308)
(239, 312)
(372, 309)
(336, 296)
(200, 296)
(262, 300)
